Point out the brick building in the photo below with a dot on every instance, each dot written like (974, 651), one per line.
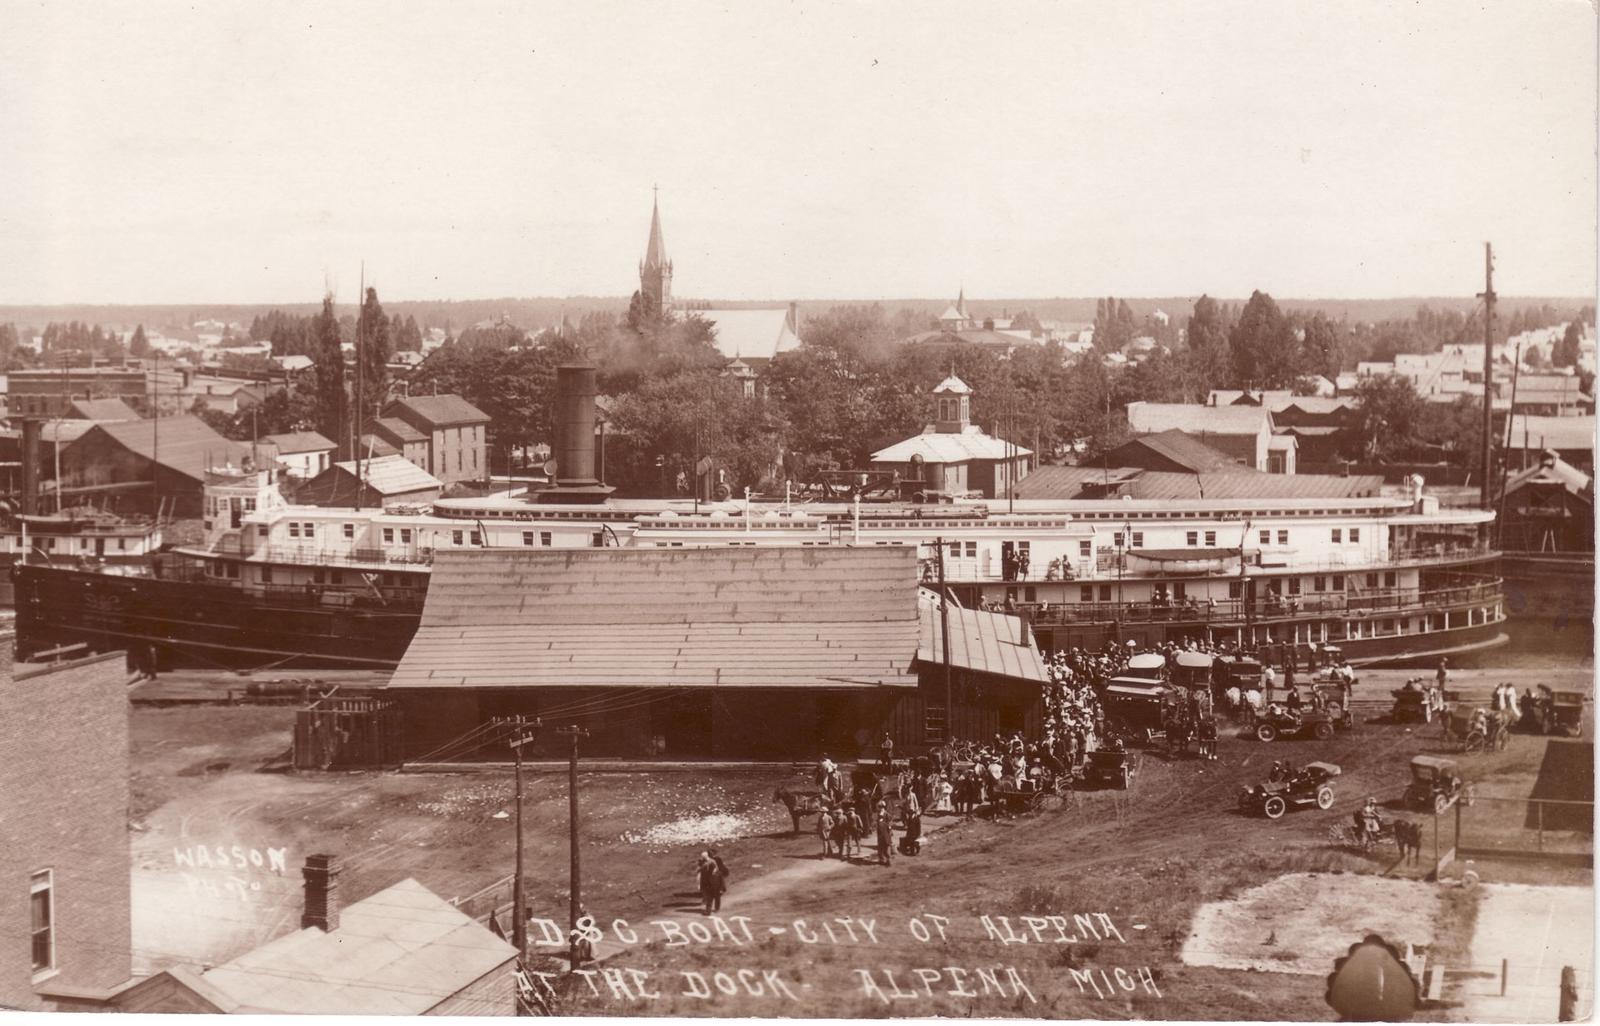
(454, 431)
(64, 898)
(49, 391)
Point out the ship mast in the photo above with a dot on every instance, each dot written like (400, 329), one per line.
(1485, 493)
(355, 427)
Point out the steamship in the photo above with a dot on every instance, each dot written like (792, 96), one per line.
(1386, 578)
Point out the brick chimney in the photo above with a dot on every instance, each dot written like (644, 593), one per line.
(321, 874)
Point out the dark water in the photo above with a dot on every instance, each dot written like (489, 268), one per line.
(1538, 643)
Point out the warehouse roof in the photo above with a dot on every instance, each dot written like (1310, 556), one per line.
(402, 951)
(298, 441)
(442, 410)
(1148, 418)
(1173, 446)
(186, 445)
(102, 410)
(391, 475)
(984, 641)
(699, 617)
(1564, 433)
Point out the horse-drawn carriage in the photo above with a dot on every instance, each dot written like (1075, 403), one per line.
(1435, 784)
(1311, 786)
(1110, 768)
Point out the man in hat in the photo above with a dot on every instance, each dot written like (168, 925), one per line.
(885, 834)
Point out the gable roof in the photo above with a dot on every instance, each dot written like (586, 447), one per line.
(1174, 446)
(761, 334)
(949, 447)
(696, 617)
(1149, 418)
(1557, 472)
(396, 428)
(291, 442)
(440, 410)
(1564, 433)
(401, 951)
(101, 410)
(982, 641)
(186, 445)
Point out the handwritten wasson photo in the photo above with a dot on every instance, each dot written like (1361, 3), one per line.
(1049, 510)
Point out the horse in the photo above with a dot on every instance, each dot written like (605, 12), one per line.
(1408, 837)
(798, 804)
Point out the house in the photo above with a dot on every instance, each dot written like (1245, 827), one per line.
(753, 337)
(1572, 438)
(401, 951)
(64, 831)
(48, 392)
(1243, 432)
(381, 481)
(1550, 395)
(952, 456)
(455, 433)
(137, 466)
(304, 454)
(101, 410)
(224, 395)
(395, 436)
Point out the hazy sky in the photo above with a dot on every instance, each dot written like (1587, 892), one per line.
(246, 152)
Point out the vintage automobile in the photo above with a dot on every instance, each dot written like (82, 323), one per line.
(1109, 769)
(1435, 785)
(1237, 671)
(1411, 703)
(1133, 708)
(1336, 699)
(1277, 721)
(1553, 712)
(1311, 786)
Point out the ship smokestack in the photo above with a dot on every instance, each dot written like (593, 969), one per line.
(575, 480)
(30, 466)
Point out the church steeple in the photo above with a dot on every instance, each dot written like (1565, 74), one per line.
(655, 271)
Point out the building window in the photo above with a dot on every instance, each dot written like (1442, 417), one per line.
(1319, 584)
(1234, 589)
(527, 537)
(1084, 548)
(1294, 585)
(388, 536)
(972, 550)
(405, 535)
(1372, 580)
(544, 538)
(1283, 537)
(249, 505)
(1030, 594)
(1355, 534)
(477, 538)
(455, 537)
(1116, 540)
(1192, 538)
(122, 544)
(1389, 579)
(349, 531)
(1105, 593)
(1338, 582)
(309, 530)
(1266, 537)
(1338, 536)
(1086, 593)
(1211, 539)
(42, 919)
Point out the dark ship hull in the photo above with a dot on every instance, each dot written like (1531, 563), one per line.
(165, 624)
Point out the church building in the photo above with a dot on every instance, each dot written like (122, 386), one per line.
(954, 457)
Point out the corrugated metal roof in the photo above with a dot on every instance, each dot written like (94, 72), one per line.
(1177, 446)
(696, 617)
(102, 410)
(1148, 418)
(984, 641)
(298, 441)
(401, 951)
(947, 447)
(392, 475)
(1565, 433)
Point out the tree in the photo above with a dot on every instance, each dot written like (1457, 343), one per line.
(333, 412)
(139, 345)
(1388, 418)
(1207, 353)
(1261, 346)
(1565, 352)
(373, 354)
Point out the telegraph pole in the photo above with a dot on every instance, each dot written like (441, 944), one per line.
(520, 736)
(1488, 297)
(944, 632)
(575, 889)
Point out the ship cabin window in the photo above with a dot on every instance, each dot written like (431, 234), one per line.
(388, 536)
(319, 576)
(294, 529)
(405, 536)
(1193, 538)
(1211, 539)
(1234, 589)
(598, 539)
(1390, 579)
(1138, 539)
(1116, 540)
(1266, 537)
(477, 538)
(349, 532)
(544, 538)
(1338, 582)
(1319, 584)
(1338, 535)
(266, 575)
(527, 537)
(1179, 591)
(122, 544)
(1283, 537)
(1372, 580)
(336, 576)
(1294, 585)
(1030, 594)
(455, 537)
(1105, 593)
(1355, 534)
(1086, 593)
(49, 544)
(1084, 548)
(249, 505)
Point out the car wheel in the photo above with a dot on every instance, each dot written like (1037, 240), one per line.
(1324, 798)
(1274, 807)
(1322, 731)
(1266, 732)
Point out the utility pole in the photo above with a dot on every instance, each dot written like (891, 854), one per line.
(1484, 490)
(944, 633)
(520, 736)
(356, 421)
(575, 889)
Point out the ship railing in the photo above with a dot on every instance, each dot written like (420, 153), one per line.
(1402, 601)
(312, 556)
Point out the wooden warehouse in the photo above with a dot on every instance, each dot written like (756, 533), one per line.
(696, 653)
